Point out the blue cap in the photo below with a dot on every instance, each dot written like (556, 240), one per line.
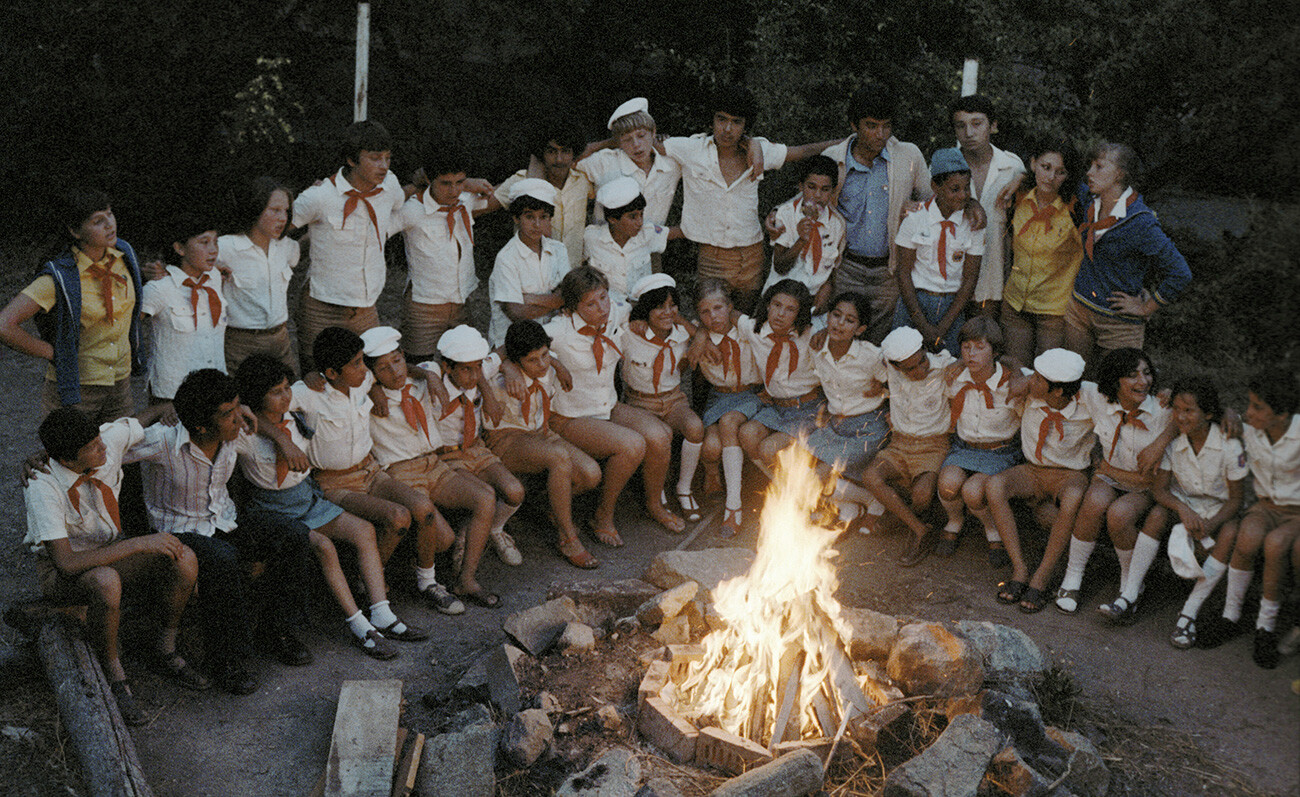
(946, 161)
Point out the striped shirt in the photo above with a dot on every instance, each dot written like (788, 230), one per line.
(184, 490)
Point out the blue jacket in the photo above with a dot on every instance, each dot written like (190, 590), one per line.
(61, 327)
(1125, 256)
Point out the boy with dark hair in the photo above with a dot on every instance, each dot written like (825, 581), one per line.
(186, 470)
(350, 218)
(556, 146)
(995, 176)
(625, 246)
(810, 247)
(529, 267)
(74, 526)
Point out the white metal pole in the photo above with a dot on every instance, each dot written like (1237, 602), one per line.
(363, 63)
(969, 77)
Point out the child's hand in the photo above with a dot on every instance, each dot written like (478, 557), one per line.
(479, 186)
(951, 372)
(153, 270)
(874, 388)
(292, 454)
(314, 380)
(160, 543)
(974, 213)
(1128, 304)
(434, 380)
(1191, 521)
(807, 229)
(1007, 196)
(818, 338)
(774, 228)
(378, 401)
(35, 463)
(516, 385)
(562, 374)
(638, 327)
(1149, 458)
(1230, 423)
(168, 416)
(249, 419)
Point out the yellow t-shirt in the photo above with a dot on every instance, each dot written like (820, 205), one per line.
(104, 354)
(1044, 261)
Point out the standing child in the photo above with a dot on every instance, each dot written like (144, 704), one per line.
(186, 311)
(938, 257)
(623, 248)
(1200, 484)
(654, 352)
(530, 266)
(812, 242)
(524, 441)
(285, 494)
(74, 526)
(919, 419)
(733, 384)
(556, 143)
(1272, 438)
(630, 152)
(986, 417)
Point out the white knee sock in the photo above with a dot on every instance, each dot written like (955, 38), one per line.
(425, 578)
(1238, 583)
(1267, 614)
(690, 460)
(1214, 570)
(1125, 559)
(503, 513)
(733, 463)
(1077, 562)
(1143, 555)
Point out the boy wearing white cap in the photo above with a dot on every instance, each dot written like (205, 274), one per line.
(530, 266)
(813, 233)
(623, 247)
(406, 438)
(1056, 436)
(630, 152)
(551, 161)
(919, 419)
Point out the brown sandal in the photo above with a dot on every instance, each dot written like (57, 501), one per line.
(578, 556)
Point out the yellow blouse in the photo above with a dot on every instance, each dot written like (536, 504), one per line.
(1044, 261)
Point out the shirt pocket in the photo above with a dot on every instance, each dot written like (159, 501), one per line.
(181, 317)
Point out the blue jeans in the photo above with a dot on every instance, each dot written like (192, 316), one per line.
(933, 307)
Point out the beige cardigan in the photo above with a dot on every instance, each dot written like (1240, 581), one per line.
(909, 179)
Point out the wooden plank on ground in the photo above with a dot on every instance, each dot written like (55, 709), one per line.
(363, 745)
(408, 767)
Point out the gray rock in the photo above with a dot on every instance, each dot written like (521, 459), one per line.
(461, 763)
(1088, 776)
(667, 604)
(526, 737)
(1010, 774)
(791, 775)
(617, 773)
(1010, 655)
(659, 787)
(928, 659)
(477, 676)
(706, 567)
(536, 629)
(548, 702)
(871, 634)
(951, 767)
(620, 598)
(577, 638)
(1021, 721)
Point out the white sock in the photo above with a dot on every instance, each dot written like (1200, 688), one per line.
(503, 513)
(991, 532)
(381, 614)
(690, 460)
(733, 463)
(359, 625)
(1214, 570)
(1143, 555)
(1238, 583)
(1267, 614)
(1077, 562)
(425, 578)
(1125, 559)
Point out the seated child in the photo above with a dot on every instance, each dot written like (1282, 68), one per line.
(733, 384)
(406, 436)
(813, 237)
(556, 143)
(1272, 439)
(530, 266)
(75, 529)
(938, 256)
(525, 442)
(1199, 486)
(467, 367)
(278, 490)
(437, 224)
(986, 415)
(781, 338)
(653, 357)
(186, 310)
(1134, 430)
(590, 415)
(340, 453)
(623, 246)
(1056, 438)
(630, 152)
(919, 418)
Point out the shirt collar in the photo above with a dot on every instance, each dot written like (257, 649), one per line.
(852, 163)
(1121, 205)
(64, 477)
(936, 215)
(340, 183)
(84, 261)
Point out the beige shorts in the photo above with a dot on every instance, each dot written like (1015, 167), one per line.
(315, 315)
(1048, 482)
(1108, 332)
(913, 456)
(244, 343)
(99, 403)
(500, 440)
(740, 266)
(425, 473)
(423, 324)
(1272, 514)
(658, 404)
(359, 478)
(475, 459)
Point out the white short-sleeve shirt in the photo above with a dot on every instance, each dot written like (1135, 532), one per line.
(844, 380)
(347, 255)
(919, 407)
(1122, 451)
(393, 436)
(713, 211)
(1275, 466)
(1200, 480)
(451, 416)
(257, 289)
(512, 409)
(439, 261)
(183, 336)
(520, 270)
(570, 215)
(624, 265)
(793, 374)
(737, 367)
(978, 422)
(258, 458)
(921, 231)
(1066, 435)
(658, 186)
(341, 422)
(593, 394)
(831, 230)
(643, 355)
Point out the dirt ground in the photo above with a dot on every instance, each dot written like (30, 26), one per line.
(1220, 706)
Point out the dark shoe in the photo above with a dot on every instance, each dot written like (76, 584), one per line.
(375, 646)
(1266, 654)
(998, 556)
(174, 666)
(1214, 633)
(918, 549)
(1033, 601)
(1011, 591)
(288, 649)
(233, 678)
(409, 633)
(1119, 611)
(947, 545)
(442, 601)
(481, 597)
(131, 713)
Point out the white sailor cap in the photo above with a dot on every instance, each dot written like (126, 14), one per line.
(534, 187)
(463, 344)
(618, 192)
(1059, 365)
(1181, 554)
(634, 105)
(378, 341)
(901, 343)
(649, 283)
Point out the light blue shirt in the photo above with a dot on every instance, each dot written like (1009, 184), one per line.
(864, 203)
